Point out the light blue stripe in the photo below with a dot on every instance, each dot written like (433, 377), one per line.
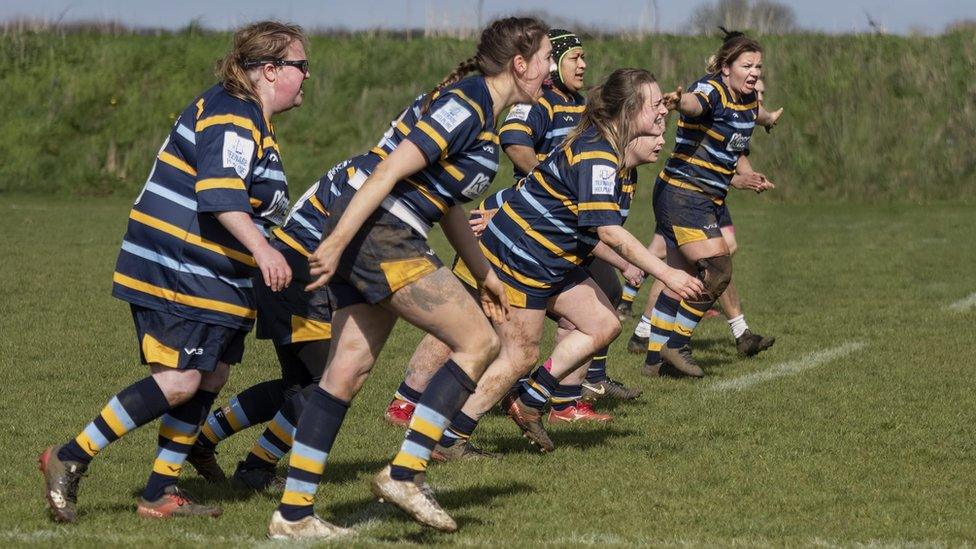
(702, 180)
(171, 456)
(300, 486)
(96, 436)
(308, 226)
(171, 263)
(659, 338)
(686, 322)
(267, 173)
(334, 190)
(415, 450)
(120, 413)
(662, 316)
(431, 416)
(558, 133)
(625, 213)
(719, 154)
(261, 229)
(177, 198)
(178, 425)
(186, 133)
(741, 125)
(242, 418)
(216, 428)
(451, 434)
(283, 422)
(511, 245)
(491, 165)
(270, 448)
(630, 291)
(309, 453)
(534, 394)
(545, 212)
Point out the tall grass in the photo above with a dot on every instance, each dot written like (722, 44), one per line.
(868, 118)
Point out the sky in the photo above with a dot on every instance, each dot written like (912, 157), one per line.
(837, 16)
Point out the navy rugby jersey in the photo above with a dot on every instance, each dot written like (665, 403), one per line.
(707, 147)
(457, 137)
(548, 226)
(544, 125)
(221, 155)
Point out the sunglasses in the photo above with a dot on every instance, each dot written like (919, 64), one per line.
(300, 64)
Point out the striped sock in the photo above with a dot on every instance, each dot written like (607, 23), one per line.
(278, 436)
(629, 293)
(252, 406)
(132, 407)
(564, 396)
(178, 429)
(462, 426)
(448, 390)
(689, 314)
(597, 371)
(662, 326)
(407, 393)
(536, 391)
(316, 432)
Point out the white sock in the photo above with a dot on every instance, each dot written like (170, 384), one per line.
(643, 328)
(738, 325)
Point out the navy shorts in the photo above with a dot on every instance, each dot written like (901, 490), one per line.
(292, 315)
(183, 344)
(683, 216)
(724, 217)
(384, 256)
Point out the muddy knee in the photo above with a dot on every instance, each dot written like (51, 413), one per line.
(715, 273)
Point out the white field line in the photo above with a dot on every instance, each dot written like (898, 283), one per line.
(790, 368)
(963, 304)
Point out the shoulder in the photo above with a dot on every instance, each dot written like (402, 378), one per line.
(470, 93)
(216, 106)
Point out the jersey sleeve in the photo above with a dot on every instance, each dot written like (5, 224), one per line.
(707, 95)
(448, 127)
(226, 150)
(525, 125)
(598, 189)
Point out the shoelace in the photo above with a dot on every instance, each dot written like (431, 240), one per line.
(182, 498)
(72, 478)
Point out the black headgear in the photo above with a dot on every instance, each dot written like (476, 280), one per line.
(563, 42)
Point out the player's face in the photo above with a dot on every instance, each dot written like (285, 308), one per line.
(289, 79)
(644, 150)
(651, 118)
(744, 73)
(572, 68)
(536, 70)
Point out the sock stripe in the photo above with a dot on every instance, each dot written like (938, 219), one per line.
(178, 425)
(301, 487)
(235, 415)
(282, 429)
(692, 310)
(94, 436)
(271, 449)
(216, 428)
(121, 414)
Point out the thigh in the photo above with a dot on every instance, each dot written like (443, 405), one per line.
(520, 338)
(359, 333)
(728, 233)
(607, 280)
(585, 306)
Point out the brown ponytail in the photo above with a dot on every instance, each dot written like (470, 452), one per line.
(500, 42)
(261, 41)
(734, 44)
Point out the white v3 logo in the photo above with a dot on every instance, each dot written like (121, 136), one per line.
(197, 351)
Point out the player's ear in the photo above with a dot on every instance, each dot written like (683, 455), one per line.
(519, 64)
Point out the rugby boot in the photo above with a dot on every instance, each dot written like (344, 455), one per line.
(204, 460)
(581, 411)
(399, 412)
(311, 527)
(461, 450)
(259, 479)
(652, 370)
(682, 361)
(750, 344)
(625, 310)
(175, 503)
(609, 388)
(416, 499)
(61, 480)
(529, 420)
(637, 344)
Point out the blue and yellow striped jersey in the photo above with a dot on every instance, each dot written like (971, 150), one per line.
(221, 155)
(544, 125)
(547, 226)
(707, 147)
(457, 136)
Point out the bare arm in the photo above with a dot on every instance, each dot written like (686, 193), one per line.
(746, 178)
(523, 157)
(768, 119)
(684, 103)
(494, 300)
(274, 268)
(627, 245)
(633, 275)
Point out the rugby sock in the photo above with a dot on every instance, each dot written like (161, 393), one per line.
(407, 393)
(564, 396)
(255, 405)
(597, 371)
(442, 399)
(278, 436)
(689, 314)
(462, 426)
(134, 406)
(662, 327)
(178, 429)
(316, 432)
(536, 391)
(738, 326)
(643, 328)
(630, 293)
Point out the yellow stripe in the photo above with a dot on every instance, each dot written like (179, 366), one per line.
(255, 202)
(232, 419)
(688, 308)
(432, 133)
(661, 323)
(569, 108)
(685, 235)
(732, 104)
(627, 188)
(278, 432)
(683, 185)
(207, 433)
(270, 143)
(515, 126)
(598, 206)
(702, 163)
(238, 121)
(176, 436)
(541, 156)
(538, 237)
(474, 105)
(488, 136)
(552, 192)
(296, 498)
(517, 276)
(108, 414)
(403, 128)
(314, 201)
(291, 242)
(263, 454)
(404, 459)
(546, 105)
(460, 270)
(220, 183)
(183, 299)
(698, 127)
(306, 329)
(433, 199)
(156, 353)
(451, 169)
(379, 152)
(350, 171)
(87, 444)
(425, 428)
(306, 464)
(590, 155)
(196, 240)
(402, 272)
(199, 107)
(682, 331)
(172, 160)
(652, 346)
(166, 468)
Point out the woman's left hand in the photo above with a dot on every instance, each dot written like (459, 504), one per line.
(322, 264)
(494, 300)
(633, 275)
(480, 223)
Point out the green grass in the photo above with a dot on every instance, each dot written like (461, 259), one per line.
(875, 448)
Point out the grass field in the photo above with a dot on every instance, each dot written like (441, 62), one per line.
(856, 428)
